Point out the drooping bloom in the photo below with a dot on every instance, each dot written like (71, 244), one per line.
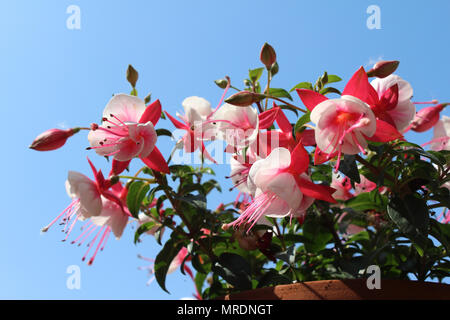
(427, 118)
(394, 103)
(52, 139)
(98, 204)
(441, 135)
(196, 111)
(127, 131)
(343, 126)
(281, 187)
(238, 126)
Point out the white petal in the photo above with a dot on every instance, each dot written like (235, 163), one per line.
(125, 107)
(196, 109)
(86, 191)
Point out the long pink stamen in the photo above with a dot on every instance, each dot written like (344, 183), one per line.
(105, 145)
(428, 102)
(120, 121)
(107, 231)
(441, 139)
(221, 99)
(91, 243)
(112, 132)
(104, 242)
(355, 140)
(71, 227)
(59, 216)
(86, 234)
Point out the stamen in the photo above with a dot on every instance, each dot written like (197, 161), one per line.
(45, 229)
(91, 243)
(107, 231)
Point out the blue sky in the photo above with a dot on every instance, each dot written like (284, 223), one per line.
(56, 77)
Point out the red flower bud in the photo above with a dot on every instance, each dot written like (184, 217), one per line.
(382, 69)
(244, 98)
(268, 56)
(52, 139)
(426, 118)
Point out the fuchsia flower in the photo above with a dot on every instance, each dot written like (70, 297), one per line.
(93, 201)
(281, 187)
(344, 125)
(128, 131)
(197, 110)
(238, 126)
(394, 101)
(426, 118)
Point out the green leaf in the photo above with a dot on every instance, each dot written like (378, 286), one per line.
(235, 270)
(163, 132)
(164, 259)
(279, 93)
(349, 168)
(304, 119)
(199, 280)
(410, 214)
(441, 232)
(368, 201)
(272, 278)
(317, 235)
(327, 90)
(198, 201)
(255, 74)
(333, 78)
(133, 92)
(136, 193)
(302, 85)
(142, 229)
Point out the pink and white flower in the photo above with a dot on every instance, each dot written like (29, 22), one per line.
(127, 131)
(196, 111)
(394, 101)
(281, 187)
(100, 208)
(238, 126)
(343, 126)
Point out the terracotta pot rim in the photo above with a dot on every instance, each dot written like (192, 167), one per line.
(348, 289)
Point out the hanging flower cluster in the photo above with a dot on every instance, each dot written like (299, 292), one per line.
(344, 157)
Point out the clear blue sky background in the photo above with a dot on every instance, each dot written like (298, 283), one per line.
(53, 77)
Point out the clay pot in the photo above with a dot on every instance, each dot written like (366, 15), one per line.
(352, 289)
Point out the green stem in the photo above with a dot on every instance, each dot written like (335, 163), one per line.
(138, 178)
(287, 103)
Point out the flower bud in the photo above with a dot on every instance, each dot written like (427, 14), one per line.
(268, 55)
(244, 98)
(382, 69)
(426, 118)
(221, 83)
(132, 75)
(52, 139)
